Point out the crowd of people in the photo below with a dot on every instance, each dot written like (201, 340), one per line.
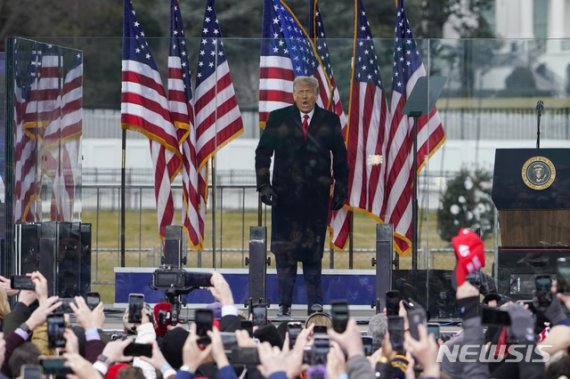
(317, 349)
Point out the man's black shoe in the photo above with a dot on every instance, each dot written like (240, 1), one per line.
(284, 312)
(314, 309)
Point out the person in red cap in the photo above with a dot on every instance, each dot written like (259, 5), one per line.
(161, 312)
(114, 370)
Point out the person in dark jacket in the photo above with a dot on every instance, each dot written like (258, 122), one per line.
(309, 157)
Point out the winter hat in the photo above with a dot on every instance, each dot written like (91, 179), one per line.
(269, 333)
(172, 344)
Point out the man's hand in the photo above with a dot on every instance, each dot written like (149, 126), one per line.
(221, 289)
(114, 350)
(243, 339)
(71, 341)
(192, 355)
(268, 196)
(336, 363)
(86, 317)
(81, 367)
(27, 297)
(466, 290)
(157, 360)
(218, 352)
(424, 350)
(350, 341)
(272, 360)
(337, 203)
(41, 286)
(45, 308)
(5, 283)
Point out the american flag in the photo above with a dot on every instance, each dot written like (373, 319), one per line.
(275, 66)
(218, 118)
(318, 35)
(42, 106)
(144, 108)
(36, 103)
(368, 122)
(25, 154)
(61, 143)
(286, 52)
(182, 113)
(339, 224)
(408, 67)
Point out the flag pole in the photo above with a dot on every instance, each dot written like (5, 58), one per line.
(123, 183)
(415, 196)
(213, 197)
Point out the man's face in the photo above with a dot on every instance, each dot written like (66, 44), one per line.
(305, 97)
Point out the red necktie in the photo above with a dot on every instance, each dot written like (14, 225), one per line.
(305, 125)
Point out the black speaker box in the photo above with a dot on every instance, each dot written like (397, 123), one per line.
(47, 262)
(383, 263)
(61, 251)
(69, 259)
(85, 277)
(257, 263)
(174, 253)
(28, 236)
(438, 297)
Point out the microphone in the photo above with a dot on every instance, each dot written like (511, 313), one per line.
(539, 107)
(539, 111)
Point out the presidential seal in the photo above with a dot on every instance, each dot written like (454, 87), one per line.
(538, 173)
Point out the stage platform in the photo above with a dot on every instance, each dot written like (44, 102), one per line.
(355, 286)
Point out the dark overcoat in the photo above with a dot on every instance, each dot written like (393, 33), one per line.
(302, 178)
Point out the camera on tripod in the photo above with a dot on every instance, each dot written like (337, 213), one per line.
(172, 279)
(175, 282)
(179, 280)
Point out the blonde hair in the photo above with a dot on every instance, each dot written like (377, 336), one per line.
(4, 305)
(319, 318)
(307, 80)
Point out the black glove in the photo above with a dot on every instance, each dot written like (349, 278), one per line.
(522, 324)
(337, 202)
(554, 312)
(268, 196)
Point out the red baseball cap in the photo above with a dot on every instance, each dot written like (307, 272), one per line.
(470, 254)
(114, 370)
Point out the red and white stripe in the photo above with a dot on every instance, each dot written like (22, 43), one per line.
(32, 114)
(275, 85)
(62, 145)
(61, 166)
(42, 105)
(368, 120)
(162, 190)
(182, 111)
(398, 199)
(218, 118)
(329, 98)
(24, 164)
(144, 108)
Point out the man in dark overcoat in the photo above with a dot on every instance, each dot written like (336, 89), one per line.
(309, 159)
